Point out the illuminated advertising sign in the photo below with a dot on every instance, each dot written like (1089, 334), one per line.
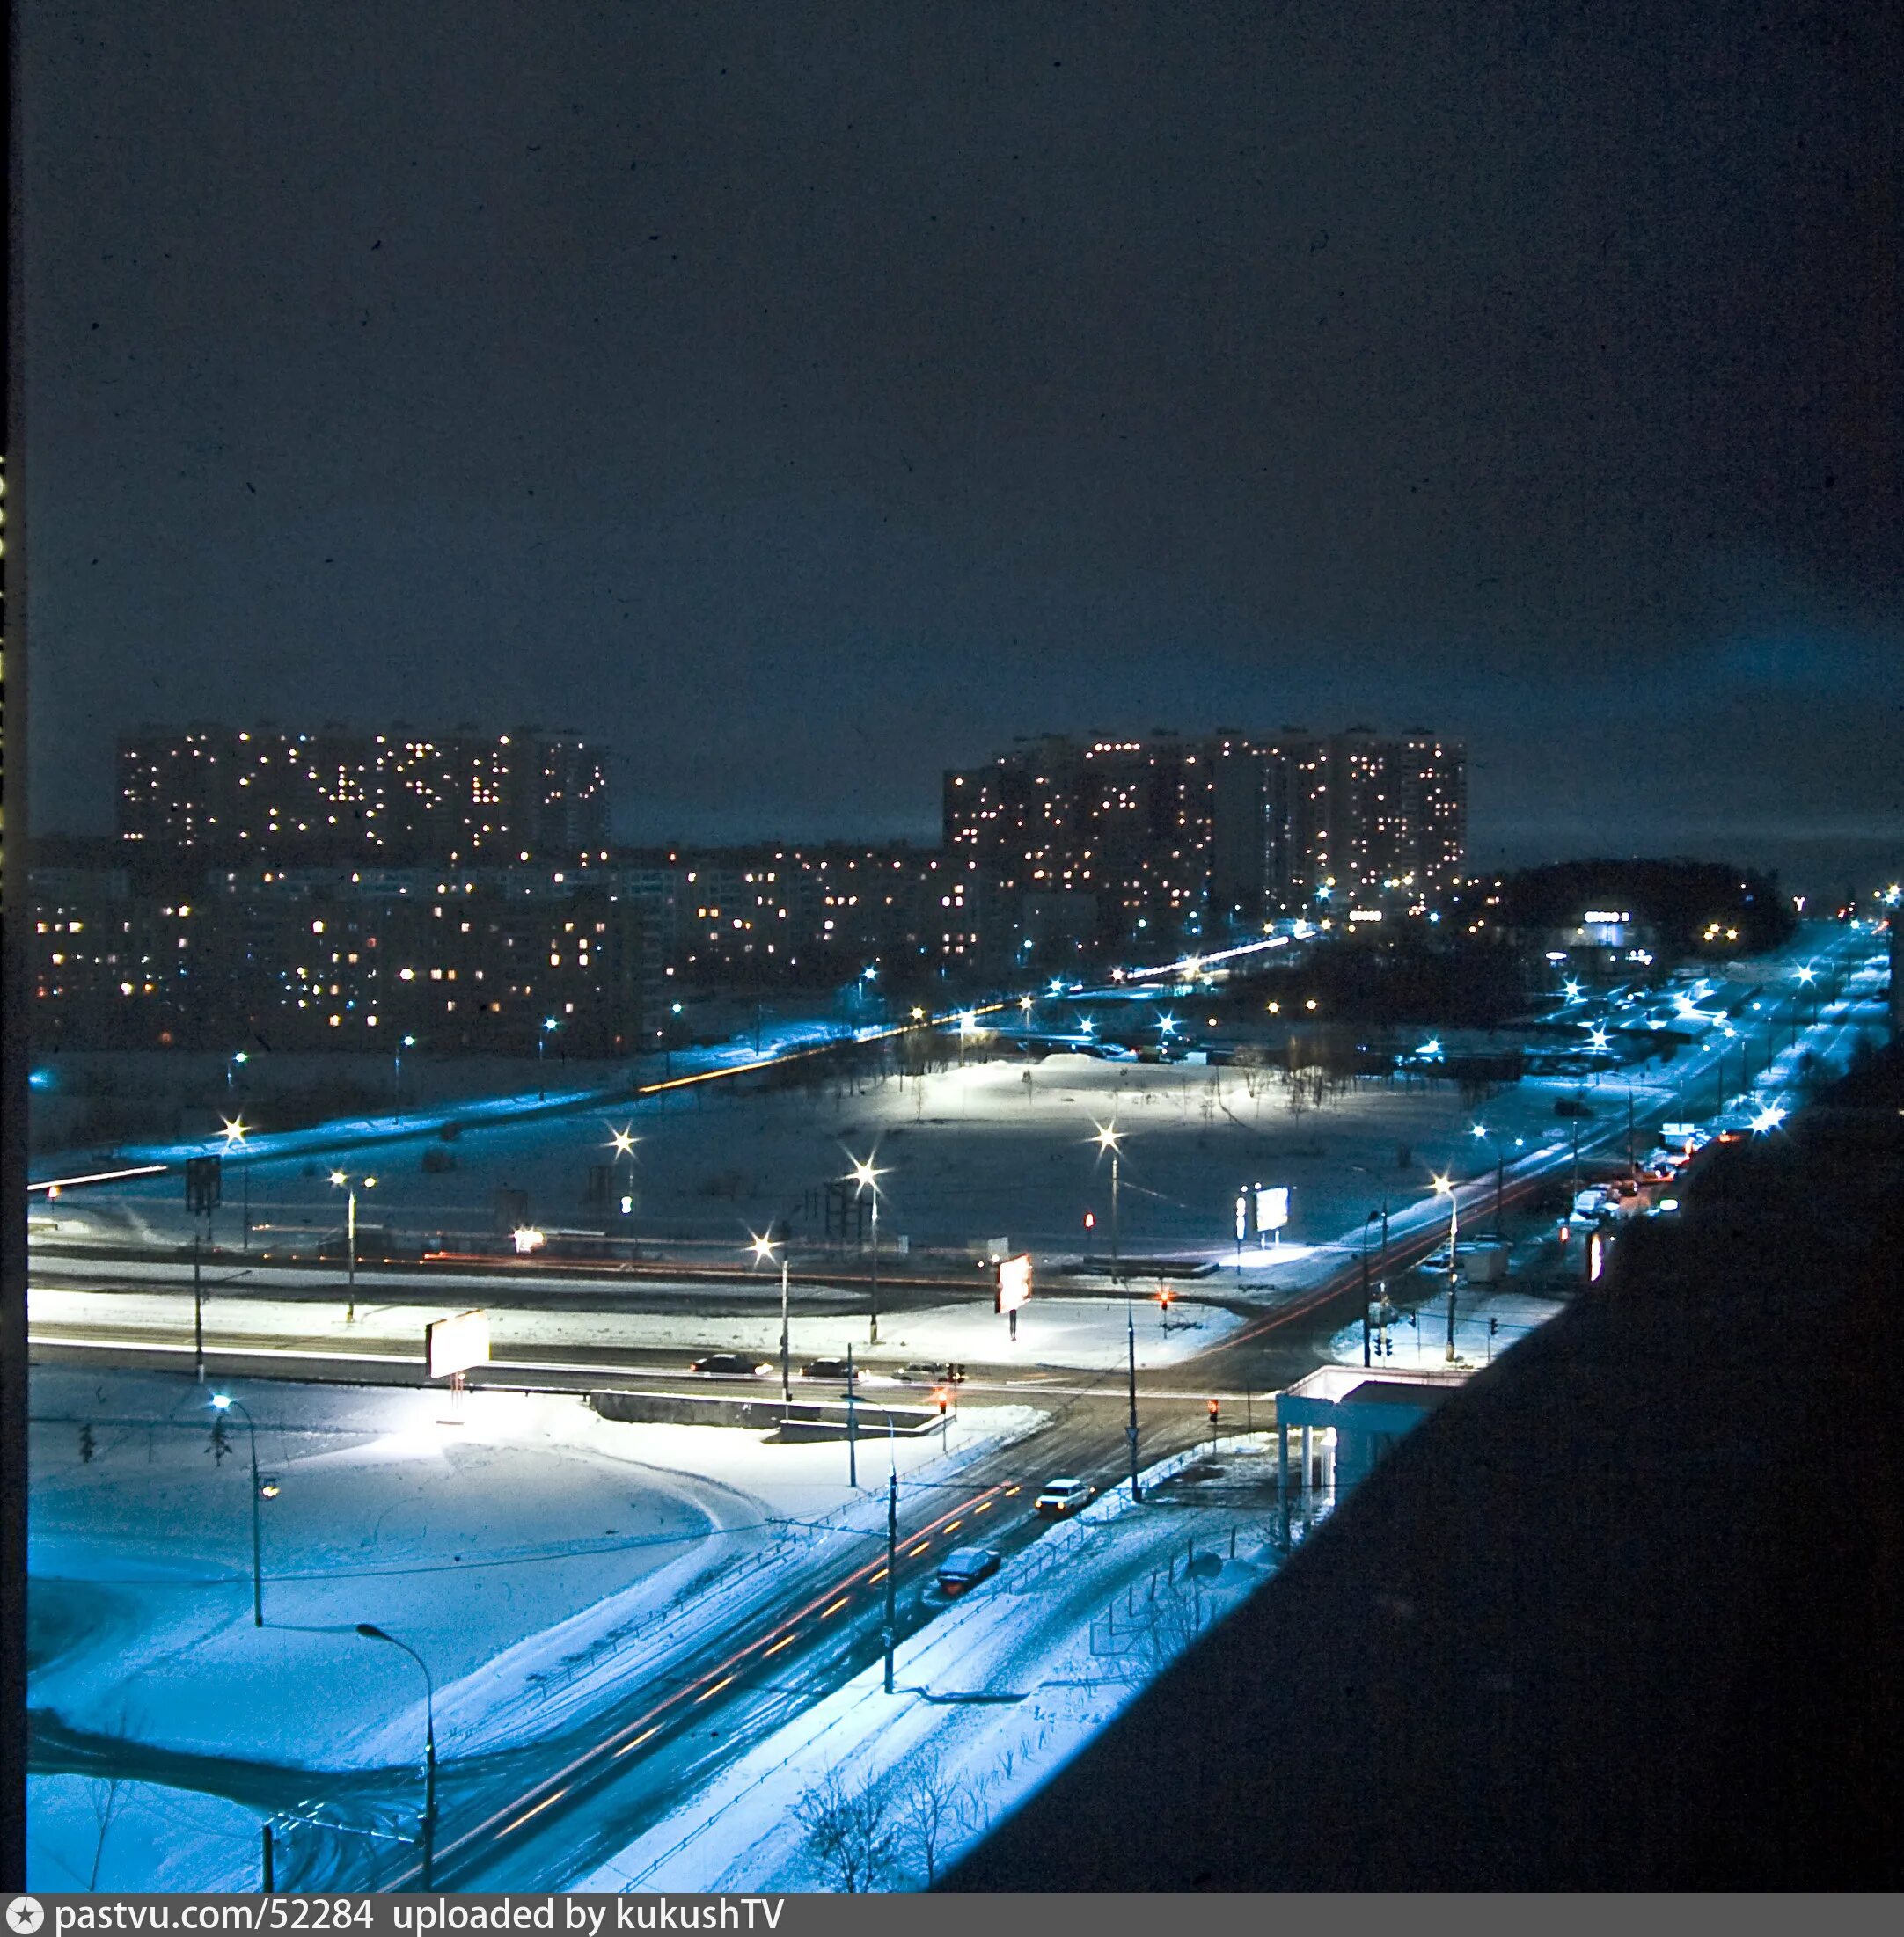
(1595, 916)
(1014, 1283)
(1365, 914)
(454, 1345)
(1272, 1207)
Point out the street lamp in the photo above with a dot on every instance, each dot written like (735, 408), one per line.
(1500, 1164)
(863, 1177)
(1446, 1185)
(1110, 1137)
(224, 1402)
(764, 1254)
(234, 1134)
(396, 1084)
(622, 1142)
(339, 1181)
(236, 1059)
(550, 1024)
(374, 1633)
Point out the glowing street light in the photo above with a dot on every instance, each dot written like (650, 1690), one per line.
(550, 1025)
(1445, 1187)
(339, 1181)
(762, 1250)
(1167, 1026)
(1573, 990)
(622, 1142)
(1110, 1137)
(864, 1177)
(236, 1131)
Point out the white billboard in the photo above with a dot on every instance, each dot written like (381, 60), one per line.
(454, 1345)
(1014, 1283)
(1272, 1207)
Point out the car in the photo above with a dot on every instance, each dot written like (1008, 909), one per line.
(828, 1368)
(731, 1365)
(931, 1375)
(965, 1567)
(1061, 1497)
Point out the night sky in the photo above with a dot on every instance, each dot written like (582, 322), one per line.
(804, 398)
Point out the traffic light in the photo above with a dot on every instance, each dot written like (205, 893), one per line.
(1215, 1406)
(1090, 1220)
(1164, 1295)
(944, 1400)
(1494, 1326)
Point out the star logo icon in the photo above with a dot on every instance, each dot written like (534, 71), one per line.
(25, 1916)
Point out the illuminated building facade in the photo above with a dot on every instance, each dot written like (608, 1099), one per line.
(336, 795)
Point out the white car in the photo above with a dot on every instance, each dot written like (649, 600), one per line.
(1061, 1497)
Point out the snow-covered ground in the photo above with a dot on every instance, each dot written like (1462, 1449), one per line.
(1051, 1648)
(92, 1833)
(1085, 1334)
(997, 1149)
(535, 1554)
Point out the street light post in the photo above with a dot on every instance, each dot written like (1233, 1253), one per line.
(1110, 1137)
(374, 1633)
(763, 1247)
(549, 1025)
(865, 1177)
(892, 1554)
(1447, 1184)
(1130, 1431)
(348, 1186)
(224, 1402)
(198, 1312)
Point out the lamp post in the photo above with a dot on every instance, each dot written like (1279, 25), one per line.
(763, 1247)
(1367, 1221)
(892, 1543)
(234, 1134)
(622, 1142)
(1446, 1185)
(396, 1080)
(224, 1402)
(1500, 1164)
(550, 1024)
(1130, 1431)
(1110, 1137)
(374, 1633)
(349, 1186)
(864, 1177)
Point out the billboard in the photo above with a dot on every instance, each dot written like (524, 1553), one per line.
(1272, 1207)
(454, 1345)
(1014, 1283)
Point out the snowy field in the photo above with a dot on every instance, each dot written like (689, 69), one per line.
(536, 1555)
(994, 1149)
(1059, 1640)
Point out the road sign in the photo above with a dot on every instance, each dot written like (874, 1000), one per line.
(454, 1345)
(204, 1182)
(1014, 1282)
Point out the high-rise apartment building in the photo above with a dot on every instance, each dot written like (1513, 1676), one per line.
(1105, 838)
(337, 795)
(1170, 837)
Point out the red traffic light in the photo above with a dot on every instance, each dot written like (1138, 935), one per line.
(944, 1400)
(1164, 1295)
(1090, 1220)
(1214, 1405)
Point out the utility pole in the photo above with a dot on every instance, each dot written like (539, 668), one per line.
(892, 1561)
(853, 1425)
(198, 1312)
(1451, 1270)
(1367, 1221)
(1130, 1431)
(787, 1369)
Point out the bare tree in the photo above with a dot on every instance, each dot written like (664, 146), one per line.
(102, 1792)
(928, 1809)
(850, 1830)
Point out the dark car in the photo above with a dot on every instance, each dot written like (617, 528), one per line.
(827, 1368)
(965, 1568)
(731, 1365)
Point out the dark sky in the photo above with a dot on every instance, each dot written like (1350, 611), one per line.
(806, 396)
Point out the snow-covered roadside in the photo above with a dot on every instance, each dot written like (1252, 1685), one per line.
(991, 1697)
(502, 1548)
(1067, 1335)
